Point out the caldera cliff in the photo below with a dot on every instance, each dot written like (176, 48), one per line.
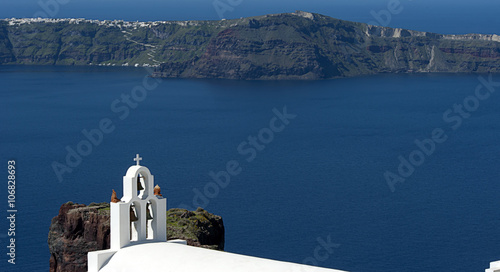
(298, 45)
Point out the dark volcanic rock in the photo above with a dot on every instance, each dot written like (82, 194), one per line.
(79, 229)
(199, 228)
(297, 45)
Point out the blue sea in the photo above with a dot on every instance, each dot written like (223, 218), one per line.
(320, 179)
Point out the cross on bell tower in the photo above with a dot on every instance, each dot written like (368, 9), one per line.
(138, 217)
(137, 159)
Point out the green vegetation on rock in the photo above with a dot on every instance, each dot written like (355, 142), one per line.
(198, 227)
(296, 45)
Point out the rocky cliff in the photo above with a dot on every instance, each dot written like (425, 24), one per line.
(79, 229)
(297, 45)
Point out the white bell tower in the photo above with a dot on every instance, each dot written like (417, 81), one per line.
(140, 215)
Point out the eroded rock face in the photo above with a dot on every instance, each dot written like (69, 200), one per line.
(199, 228)
(298, 45)
(79, 229)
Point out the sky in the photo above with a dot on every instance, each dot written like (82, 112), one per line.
(442, 16)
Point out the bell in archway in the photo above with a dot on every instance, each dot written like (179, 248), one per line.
(133, 217)
(139, 185)
(148, 212)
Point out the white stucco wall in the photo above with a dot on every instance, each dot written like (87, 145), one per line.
(173, 257)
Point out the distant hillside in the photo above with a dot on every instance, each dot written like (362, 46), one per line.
(296, 45)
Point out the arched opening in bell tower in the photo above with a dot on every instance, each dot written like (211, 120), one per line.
(141, 184)
(151, 216)
(134, 221)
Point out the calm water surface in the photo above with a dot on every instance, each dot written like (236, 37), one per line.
(321, 177)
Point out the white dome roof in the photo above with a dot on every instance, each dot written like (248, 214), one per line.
(173, 257)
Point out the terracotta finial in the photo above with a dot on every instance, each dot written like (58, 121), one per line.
(114, 199)
(157, 190)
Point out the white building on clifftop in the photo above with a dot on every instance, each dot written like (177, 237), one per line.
(139, 239)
